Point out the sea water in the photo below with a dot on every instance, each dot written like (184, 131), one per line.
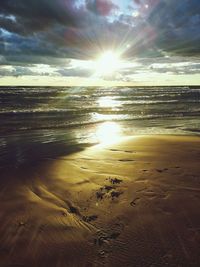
(48, 122)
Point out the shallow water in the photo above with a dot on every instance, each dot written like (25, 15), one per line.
(43, 122)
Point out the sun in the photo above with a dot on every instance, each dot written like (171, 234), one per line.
(107, 63)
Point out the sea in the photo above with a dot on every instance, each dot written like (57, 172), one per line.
(38, 123)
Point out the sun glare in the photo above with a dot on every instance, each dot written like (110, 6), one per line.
(107, 63)
(108, 102)
(108, 132)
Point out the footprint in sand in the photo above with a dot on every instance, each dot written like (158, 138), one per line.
(103, 191)
(118, 150)
(74, 210)
(161, 170)
(115, 180)
(109, 190)
(100, 195)
(134, 202)
(126, 160)
(90, 218)
(84, 168)
(115, 194)
(105, 238)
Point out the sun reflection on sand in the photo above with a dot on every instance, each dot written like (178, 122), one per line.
(108, 133)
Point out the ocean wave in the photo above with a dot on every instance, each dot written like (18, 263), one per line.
(54, 107)
(35, 111)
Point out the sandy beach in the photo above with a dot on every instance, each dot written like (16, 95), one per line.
(132, 203)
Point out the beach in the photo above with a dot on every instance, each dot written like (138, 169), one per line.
(99, 133)
(135, 202)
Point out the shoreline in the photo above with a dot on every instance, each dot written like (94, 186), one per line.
(132, 203)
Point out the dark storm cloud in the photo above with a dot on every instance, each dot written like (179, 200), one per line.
(175, 66)
(10, 25)
(30, 60)
(38, 15)
(56, 28)
(101, 7)
(52, 31)
(174, 24)
(177, 26)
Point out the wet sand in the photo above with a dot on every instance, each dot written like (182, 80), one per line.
(133, 203)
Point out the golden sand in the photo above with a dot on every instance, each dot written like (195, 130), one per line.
(134, 203)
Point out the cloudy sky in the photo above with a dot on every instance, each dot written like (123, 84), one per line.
(99, 42)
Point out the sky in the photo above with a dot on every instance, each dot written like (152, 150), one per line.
(99, 42)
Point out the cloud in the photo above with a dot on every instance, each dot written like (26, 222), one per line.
(137, 1)
(65, 72)
(177, 26)
(176, 67)
(37, 15)
(101, 7)
(16, 71)
(52, 32)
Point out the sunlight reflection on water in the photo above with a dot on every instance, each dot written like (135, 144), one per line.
(108, 102)
(108, 132)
